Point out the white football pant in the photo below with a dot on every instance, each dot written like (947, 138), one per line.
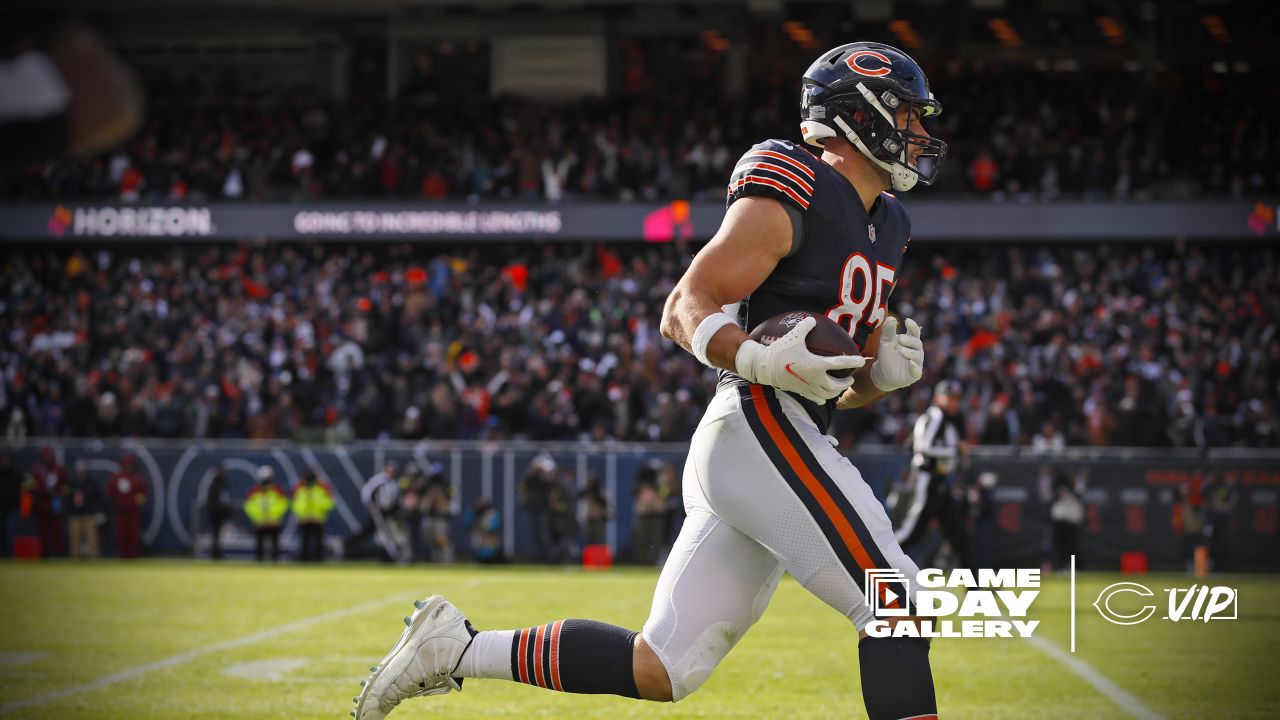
(765, 491)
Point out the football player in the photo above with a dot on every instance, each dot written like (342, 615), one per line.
(764, 487)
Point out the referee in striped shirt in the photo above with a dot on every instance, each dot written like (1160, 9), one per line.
(936, 447)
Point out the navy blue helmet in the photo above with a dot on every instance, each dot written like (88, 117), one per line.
(856, 91)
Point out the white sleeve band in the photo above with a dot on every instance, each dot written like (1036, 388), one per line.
(709, 326)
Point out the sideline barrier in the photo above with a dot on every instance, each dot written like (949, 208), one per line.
(1129, 496)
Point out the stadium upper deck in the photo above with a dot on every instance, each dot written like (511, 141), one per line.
(275, 99)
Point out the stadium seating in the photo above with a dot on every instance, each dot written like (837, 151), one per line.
(1076, 344)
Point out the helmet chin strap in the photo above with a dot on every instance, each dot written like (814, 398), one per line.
(901, 177)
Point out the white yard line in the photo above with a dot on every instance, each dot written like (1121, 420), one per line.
(188, 656)
(1116, 694)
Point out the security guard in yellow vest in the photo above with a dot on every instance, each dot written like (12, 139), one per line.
(312, 503)
(266, 507)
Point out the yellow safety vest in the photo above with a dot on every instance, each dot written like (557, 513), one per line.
(266, 507)
(312, 503)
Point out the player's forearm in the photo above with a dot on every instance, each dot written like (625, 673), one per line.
(684, 311)
(862, 392)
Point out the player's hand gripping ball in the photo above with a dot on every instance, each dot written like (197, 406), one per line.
(800, 352)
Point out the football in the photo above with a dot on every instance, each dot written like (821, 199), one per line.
(826, 338)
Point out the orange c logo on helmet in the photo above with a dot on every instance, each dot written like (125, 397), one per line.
(854, 65)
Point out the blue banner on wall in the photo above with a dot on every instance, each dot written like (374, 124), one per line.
(1130, 501)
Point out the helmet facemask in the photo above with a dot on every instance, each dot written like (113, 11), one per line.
(869, 121)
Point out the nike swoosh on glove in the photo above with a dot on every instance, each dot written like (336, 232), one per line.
(787, 364)
(900, 360)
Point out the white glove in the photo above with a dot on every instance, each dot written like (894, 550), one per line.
(900, 360)
(787, 364)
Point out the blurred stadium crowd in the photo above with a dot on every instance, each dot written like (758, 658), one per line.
(1080, 344)
(1017, 133)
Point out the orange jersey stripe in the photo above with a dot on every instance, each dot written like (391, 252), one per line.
(815, 487)
(555, 655)
(775, 184)
(781, 171)
(539, 636)
(524, 663)
(791, 161)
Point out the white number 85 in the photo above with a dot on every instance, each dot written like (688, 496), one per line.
(856, 308)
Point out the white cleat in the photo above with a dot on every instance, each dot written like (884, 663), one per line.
(421, 663)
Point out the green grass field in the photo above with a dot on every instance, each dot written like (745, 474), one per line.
(161, 640)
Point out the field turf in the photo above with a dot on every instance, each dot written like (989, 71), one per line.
(158, 640)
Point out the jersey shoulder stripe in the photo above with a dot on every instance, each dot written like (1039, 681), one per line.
(741, 187)
(764, 166)
(769, 154)
(776, 169)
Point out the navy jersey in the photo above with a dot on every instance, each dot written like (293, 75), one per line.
(845, 262)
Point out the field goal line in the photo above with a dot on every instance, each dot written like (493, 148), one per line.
(189, 655)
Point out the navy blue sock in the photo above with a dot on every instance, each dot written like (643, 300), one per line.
(896, 680)
(577, 656)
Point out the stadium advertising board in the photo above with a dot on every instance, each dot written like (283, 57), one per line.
(601, 221)
(112, 221)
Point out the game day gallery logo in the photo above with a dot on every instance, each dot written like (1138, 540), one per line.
(994, 603)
